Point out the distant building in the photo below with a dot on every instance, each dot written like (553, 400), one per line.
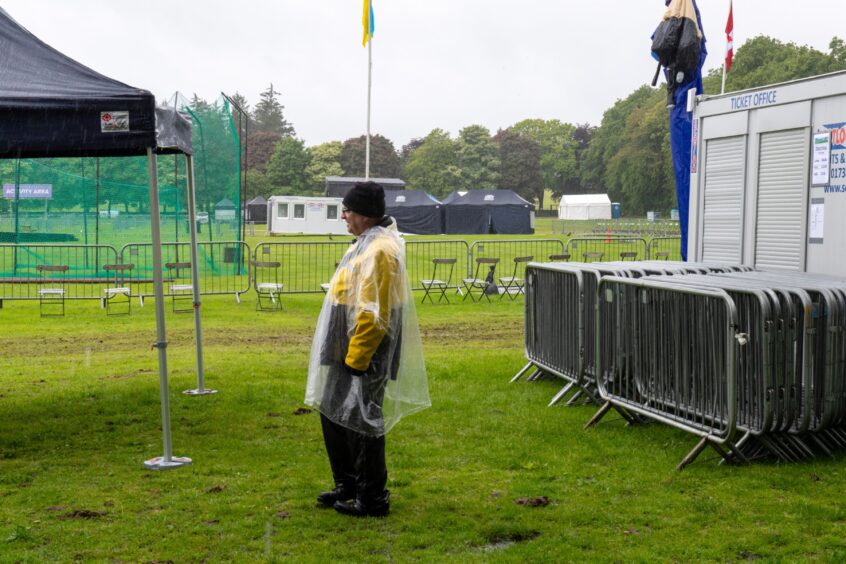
(338, 186)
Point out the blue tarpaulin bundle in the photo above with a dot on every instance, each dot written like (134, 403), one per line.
(678, 44)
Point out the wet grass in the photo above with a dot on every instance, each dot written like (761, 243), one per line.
(79, 412)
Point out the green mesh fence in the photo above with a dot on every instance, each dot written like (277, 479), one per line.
(105, 201)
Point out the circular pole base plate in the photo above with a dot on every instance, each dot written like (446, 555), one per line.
(199, 392)
(159, 463)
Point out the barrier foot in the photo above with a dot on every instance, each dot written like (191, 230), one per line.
(159, 463)
(822, 446)
(522, 371)
(560, 395)
(734, 454)
(691, 456)
(535, 375)
(199, 392)
(598, 415)
(576, 397)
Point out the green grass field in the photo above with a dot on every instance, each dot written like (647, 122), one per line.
(79, 413)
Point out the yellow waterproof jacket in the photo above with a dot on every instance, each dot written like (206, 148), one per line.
(366, 369)
(369, 285)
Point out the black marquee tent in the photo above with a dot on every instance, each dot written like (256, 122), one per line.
(52, 106)
(487, 211)
(256, 210)
(416, 211)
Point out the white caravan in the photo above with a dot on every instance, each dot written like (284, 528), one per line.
(302, 214)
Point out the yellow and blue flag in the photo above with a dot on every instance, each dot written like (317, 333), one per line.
(367, 22)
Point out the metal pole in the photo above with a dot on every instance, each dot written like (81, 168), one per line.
(369, 83)
(168, 460)
(17, 210)
(200, 390)
(723, 88)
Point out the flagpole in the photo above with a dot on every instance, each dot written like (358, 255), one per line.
(369, 84)
(723, 88)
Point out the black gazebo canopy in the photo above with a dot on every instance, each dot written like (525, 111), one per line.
(53, 106)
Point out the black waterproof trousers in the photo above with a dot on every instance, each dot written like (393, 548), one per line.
(357, 461)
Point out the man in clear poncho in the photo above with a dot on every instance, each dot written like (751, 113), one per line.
(366, 369)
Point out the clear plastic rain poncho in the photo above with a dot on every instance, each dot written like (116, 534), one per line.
(366, 370)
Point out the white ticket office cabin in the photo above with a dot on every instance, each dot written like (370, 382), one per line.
(302, 214)
(768, 177)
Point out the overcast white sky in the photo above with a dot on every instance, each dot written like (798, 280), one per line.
(436, 63)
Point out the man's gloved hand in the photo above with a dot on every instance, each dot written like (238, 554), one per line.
(353, 371)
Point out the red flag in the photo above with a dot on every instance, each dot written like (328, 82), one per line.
(729, 39)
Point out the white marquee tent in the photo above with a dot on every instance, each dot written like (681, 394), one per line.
(584, 206)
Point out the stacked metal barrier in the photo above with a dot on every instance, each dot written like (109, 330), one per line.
(754, 363)
(649, 335)
(781, 393)
(560, 318)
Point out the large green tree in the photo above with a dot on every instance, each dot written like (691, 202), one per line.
(520, 156)
(610, 138)
(478, 158)
(325, 160)
(763, 60)
(433, 166)
(286, 170)
(558, 146)
(269, 114)
(384, 161)
(260, 147)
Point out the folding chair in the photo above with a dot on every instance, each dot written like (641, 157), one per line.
(268, 286)
(477, 283)
(514, 283)
(563, 257)
(628, 255)
(51, 292)
(119, 293)
(179, 291)
(435, 283)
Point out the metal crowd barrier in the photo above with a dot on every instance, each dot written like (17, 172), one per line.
(507, 250)
(84, 277)
(303, 266)
(668, 352)
(553, 314)
(827, 390)
(554, 325)
(419, 256)
(657, 348)
(223, 267)
(608, 248)
(664, 248)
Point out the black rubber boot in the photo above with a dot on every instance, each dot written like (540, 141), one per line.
(338, 443)
(339, 493)
(372, 498)
(357, 508)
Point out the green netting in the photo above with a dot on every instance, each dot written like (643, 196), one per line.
(105, 200)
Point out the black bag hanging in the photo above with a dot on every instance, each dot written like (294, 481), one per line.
(490, 285)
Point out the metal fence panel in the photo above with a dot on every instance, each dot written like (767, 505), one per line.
(507, 250)
(668, 352)
(84, 278)
(609, 248)
(664, 248)
(304, 266)
(223, 267)
(419, 256)
(554, 320)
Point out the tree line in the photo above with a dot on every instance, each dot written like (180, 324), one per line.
(627, 155)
